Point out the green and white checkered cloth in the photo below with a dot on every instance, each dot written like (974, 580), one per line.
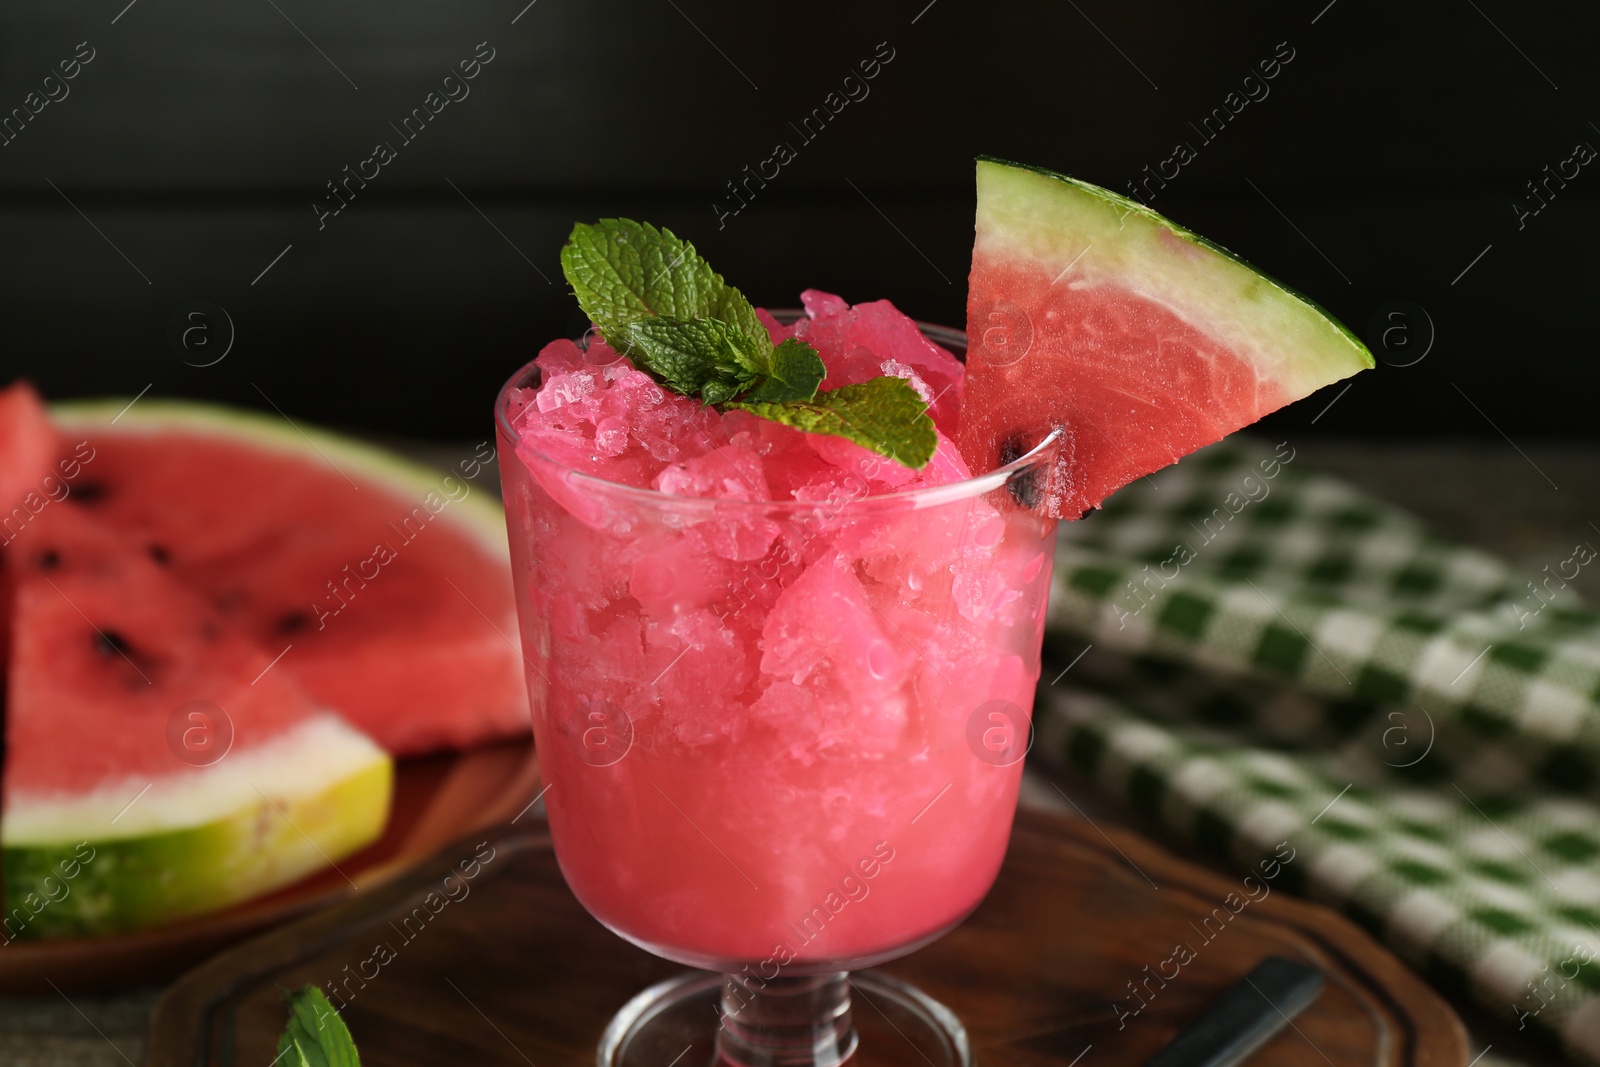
(1274, 655)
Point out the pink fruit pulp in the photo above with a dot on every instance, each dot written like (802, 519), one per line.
(754, 700)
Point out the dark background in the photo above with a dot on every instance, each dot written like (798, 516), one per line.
(1384, 161)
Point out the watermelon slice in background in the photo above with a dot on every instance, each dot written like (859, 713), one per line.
(29, 447)
(385, 584)
(1090, 312)
(115, 814)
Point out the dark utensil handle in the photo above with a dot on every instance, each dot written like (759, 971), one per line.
(1246, 1016)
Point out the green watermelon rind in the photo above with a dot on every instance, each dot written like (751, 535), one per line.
(478, 512)
(1340, 350)
(53, 888)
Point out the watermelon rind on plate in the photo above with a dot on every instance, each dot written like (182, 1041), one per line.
(153, 574)
(194, 843)
(157, 766)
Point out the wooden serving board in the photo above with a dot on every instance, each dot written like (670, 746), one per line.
(436, 799)
(513, 971)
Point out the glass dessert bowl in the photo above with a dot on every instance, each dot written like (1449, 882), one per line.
(782, 738)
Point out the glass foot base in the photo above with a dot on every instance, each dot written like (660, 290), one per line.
(676, 1023)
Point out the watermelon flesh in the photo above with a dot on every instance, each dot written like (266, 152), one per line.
(387, 584)
(28, 450)
(1091, 313)
(143, 820)
(29, 445)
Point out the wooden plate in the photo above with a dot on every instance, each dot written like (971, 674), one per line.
(436, 799)
(515, 972)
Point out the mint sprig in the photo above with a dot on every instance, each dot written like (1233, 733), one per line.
(660, 304)
(884, 414)
(695, 357)
(316, 1036)
(792, 375)
(624, 271)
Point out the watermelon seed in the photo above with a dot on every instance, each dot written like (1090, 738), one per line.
(88, 492)
(293, 622)
(1024, 485)
(160, 554)
(110, 642)
(49, 560)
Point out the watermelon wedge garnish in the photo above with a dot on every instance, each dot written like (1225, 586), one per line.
(1141, 340)
(115, 813)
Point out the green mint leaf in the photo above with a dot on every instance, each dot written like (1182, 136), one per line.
(792, 374)
(720, 391)
(661, 305)
(316, 1036)
(624, 271)
(883, 414)
(690, 356)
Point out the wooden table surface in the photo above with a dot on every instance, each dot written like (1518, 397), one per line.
(524, 975)
(1530, 509)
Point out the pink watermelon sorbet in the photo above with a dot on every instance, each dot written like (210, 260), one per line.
(766, 666)
(595, 413)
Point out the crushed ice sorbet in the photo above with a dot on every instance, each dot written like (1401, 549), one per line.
(594, 412)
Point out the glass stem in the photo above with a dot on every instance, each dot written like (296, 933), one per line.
(786, 1022)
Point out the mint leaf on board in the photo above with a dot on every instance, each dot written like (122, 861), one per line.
(316, 1036)
(623, 271)
(883, 414)
(659, 303)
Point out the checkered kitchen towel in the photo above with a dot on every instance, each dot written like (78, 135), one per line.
(1276, 656)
